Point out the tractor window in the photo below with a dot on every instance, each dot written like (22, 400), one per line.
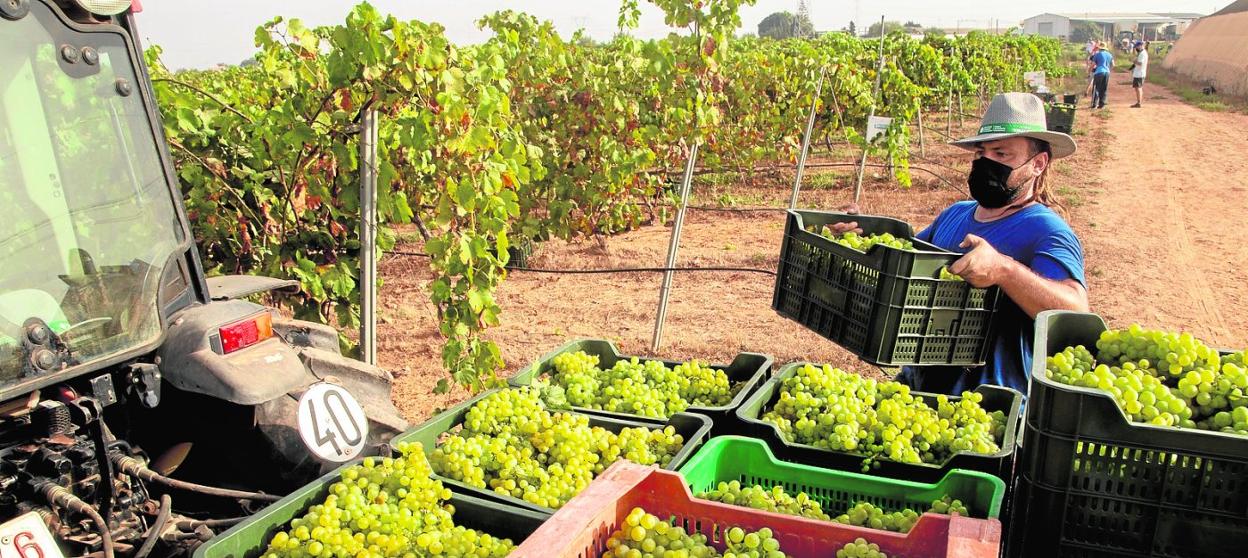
(87, 221)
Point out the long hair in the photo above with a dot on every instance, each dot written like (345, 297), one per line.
(1040, 189)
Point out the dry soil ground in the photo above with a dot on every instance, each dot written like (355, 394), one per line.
(1156, 194)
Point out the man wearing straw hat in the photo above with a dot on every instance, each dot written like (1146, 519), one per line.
(1013, 237)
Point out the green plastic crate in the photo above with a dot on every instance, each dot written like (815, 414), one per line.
(750, 461)
(249, 538)
(888, 306)
(1090, 483)
(996, 398)
(693, 427)
(747, 369)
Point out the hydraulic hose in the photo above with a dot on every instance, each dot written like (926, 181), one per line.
(209, 523)
(135, 468)
(60, 497)
(162, 518)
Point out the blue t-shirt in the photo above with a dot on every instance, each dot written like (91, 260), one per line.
(1036, 237)
(1102, 59)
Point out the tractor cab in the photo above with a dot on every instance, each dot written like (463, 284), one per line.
(139, 400)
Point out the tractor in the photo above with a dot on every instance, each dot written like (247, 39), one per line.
(144, 407)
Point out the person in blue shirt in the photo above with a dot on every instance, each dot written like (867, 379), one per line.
(1011, 237)
(1102, 62)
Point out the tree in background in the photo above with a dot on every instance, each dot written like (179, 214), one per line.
(780, 25)
(1082, 31)
(889, 27)
(851, 29)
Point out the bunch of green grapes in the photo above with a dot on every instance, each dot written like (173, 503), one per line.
(860, 548)
(384, 508)
(862, 243)
(865, 514)
(836, 410)
(1170, 353)
(1176, 381)
(946, 275)
(512, 445)
(646, 388)
(774, 499)
(642, 534)
(1138, 391)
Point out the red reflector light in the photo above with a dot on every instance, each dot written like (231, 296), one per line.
(240, 335)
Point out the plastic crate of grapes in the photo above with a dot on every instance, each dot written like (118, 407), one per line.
(694, 428)
(1060, 117)
(1092, 483)
(581, 528)
(749, 461)
(887, 305)
(995, 398)
(745, 372)
(250, 538)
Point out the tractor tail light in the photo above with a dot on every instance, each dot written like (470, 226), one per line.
(245, 333)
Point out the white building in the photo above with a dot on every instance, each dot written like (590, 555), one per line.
(1149, 26)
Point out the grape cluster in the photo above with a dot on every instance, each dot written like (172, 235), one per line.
(860, 548)
(646, 388)
(1172, 353)
(947, 275)
(862, 243)
(774, 499)
(1141, 394)
(836, 410)
(862, 514)
(1161, 378)
(384, 508)
(512, 445)
(865, 514)
(645, 535)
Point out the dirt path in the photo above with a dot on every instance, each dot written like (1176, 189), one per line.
(1165, 233)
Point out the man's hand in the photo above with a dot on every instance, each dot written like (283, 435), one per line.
(983, 266)
(851, 226)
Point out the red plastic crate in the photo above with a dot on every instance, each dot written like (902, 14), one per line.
(581, 527)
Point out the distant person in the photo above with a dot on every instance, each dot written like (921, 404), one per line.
(1090, 47)
(1102, 61)
(1139, 70)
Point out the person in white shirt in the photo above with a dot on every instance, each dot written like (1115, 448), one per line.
(1139, 70)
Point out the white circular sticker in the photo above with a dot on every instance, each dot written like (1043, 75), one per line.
(331, 422)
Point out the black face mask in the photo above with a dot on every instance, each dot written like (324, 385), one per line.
(989, 182)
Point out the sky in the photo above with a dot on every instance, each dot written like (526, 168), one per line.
(202, 33)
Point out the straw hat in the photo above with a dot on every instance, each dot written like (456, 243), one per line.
(1018, 115)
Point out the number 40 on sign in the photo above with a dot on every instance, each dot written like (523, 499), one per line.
(331, 423)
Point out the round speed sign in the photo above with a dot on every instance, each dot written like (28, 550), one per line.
(332, 423)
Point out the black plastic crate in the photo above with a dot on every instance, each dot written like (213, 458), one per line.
(887, 306)
(519, 254)
(1093, 484)
(996, 398)
(746, 371)
(1061, 117)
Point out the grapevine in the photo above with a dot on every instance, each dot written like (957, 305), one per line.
(527, 135)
